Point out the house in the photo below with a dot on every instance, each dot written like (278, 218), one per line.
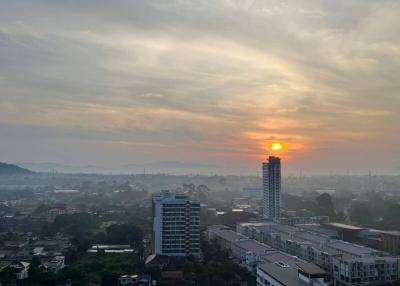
(137, 280)
(55, 264)
(128, 280)
(21, 269)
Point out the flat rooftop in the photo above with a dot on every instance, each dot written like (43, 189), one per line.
(230, 235)
(317, 238)
(310, 268)
(351, 248)
(217, 227)
(318, 229)
(279, 256)
(254, 246)
(285, 228)
(343, 226)
(284, 275)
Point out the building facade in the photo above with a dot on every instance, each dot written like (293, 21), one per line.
(347, 263)
(272, 200)
(280, 269)
(176, 225)
(391, 241)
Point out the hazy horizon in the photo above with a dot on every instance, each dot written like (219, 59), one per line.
(206, 83)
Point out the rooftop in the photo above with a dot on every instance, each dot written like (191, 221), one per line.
(343, 226)
(231, 236)
(254, 246)
(351, 248)
(310, 268)
(318, 229)
(279, 256)
(285, 275)
(312, 236)
(217, 227)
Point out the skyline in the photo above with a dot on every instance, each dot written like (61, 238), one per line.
(212, 83)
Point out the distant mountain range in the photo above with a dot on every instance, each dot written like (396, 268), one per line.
(153, 167)
(10, 169)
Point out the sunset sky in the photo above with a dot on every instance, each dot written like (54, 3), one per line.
(213, 82)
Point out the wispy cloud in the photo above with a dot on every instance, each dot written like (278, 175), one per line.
(211, 80)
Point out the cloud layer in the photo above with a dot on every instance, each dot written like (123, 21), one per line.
(118, 82)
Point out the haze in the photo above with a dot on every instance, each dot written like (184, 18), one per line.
(110, 83)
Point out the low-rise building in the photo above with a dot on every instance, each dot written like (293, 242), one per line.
(55, 264)
(249, 252)
(280, 269)
(128, 280)
(347, 263)
(390, 241)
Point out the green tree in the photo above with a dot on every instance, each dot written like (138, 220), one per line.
(362, 213)
(124, 234)
(7, 276)
(325, 206)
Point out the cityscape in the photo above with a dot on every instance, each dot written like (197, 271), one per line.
(110, 231)
(199, 143)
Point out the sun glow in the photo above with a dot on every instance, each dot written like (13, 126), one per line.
(276, 146)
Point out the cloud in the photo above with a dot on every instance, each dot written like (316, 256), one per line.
(200, 76)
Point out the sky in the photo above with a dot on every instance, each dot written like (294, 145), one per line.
(204, 82)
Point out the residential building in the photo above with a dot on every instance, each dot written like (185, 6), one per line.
(272, 200)
(347, 263)
(346, 232)
(128, 280)
(176, 225)
(390, 241)
(280, 269)
(21, 269)
(55, 264)
(294, 220)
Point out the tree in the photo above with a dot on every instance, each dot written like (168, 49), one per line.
(361, 213)
(109, 279)
(82, 243)
(124, 234)
(42, 209)
(391, 217)
(325, 206)
(7, 276)
(49, 229)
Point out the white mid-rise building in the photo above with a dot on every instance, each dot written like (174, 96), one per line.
(272, 200)
(176, 225)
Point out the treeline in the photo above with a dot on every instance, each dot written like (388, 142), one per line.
(320, 204)
(85, 230)
(216, 268)
(376, 212)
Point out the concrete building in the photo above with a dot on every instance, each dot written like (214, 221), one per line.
(280, 269)
(390, 241)
(272, 200)
(245, 251)
(176, 225)
(226, 238)
(128, 280)
(294, 220)
(55, 264)
(347, 263)
(250, 252)
(346, 232)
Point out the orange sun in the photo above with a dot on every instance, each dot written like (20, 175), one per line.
(276, 146)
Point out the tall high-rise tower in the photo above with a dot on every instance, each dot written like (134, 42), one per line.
(272, 200)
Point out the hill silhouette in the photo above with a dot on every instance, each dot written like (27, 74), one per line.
(10, 169)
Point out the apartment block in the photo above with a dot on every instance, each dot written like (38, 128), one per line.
(347, 263)
(176, 225)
